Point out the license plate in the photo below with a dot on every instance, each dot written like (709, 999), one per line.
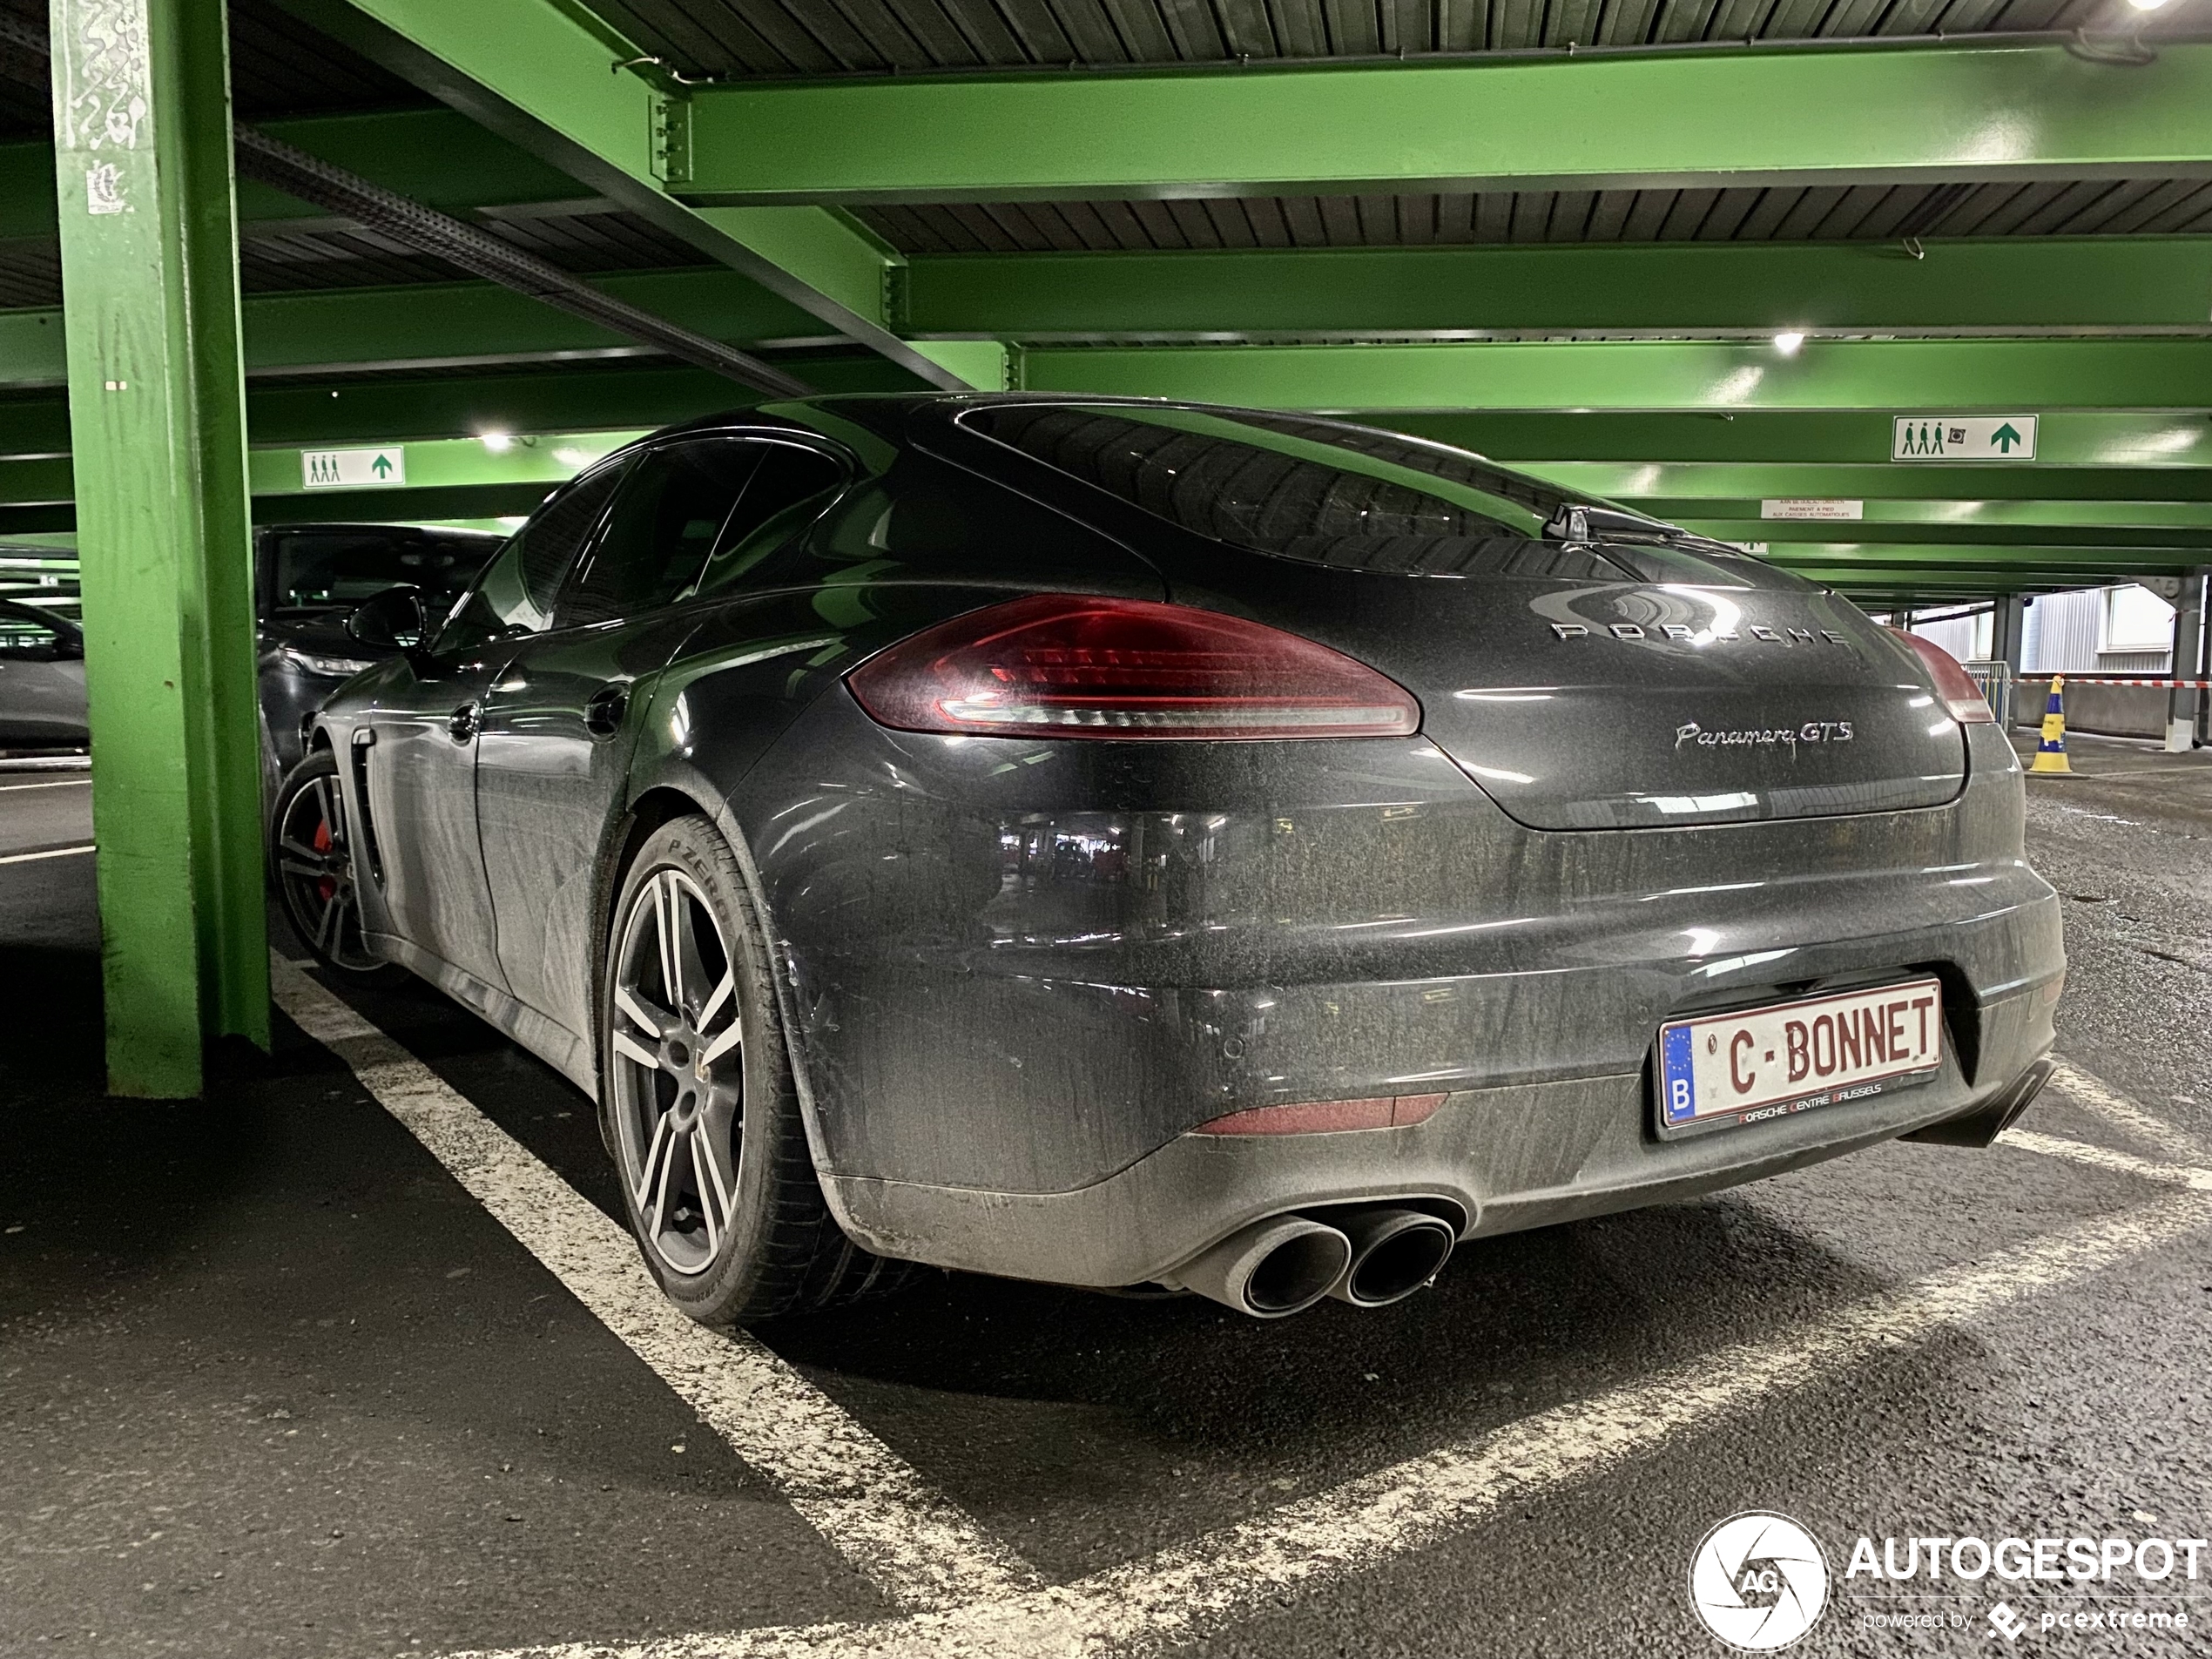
(1723, 1069)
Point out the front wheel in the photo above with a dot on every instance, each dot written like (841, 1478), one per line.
(701, 1110)
(310, 857)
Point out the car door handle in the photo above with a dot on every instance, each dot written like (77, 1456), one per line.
(461, 724)
(603, 714)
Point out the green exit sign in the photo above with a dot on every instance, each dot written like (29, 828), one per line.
(353, 469)
(1962, 437)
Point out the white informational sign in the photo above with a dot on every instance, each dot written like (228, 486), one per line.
(1962, 437)
(353, 469)
(1804, 508)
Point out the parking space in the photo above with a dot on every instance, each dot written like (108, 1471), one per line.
(352, 1358)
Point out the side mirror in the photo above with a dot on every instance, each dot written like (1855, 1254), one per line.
(69, 648)
(394, 619)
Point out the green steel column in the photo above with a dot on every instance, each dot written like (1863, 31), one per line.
(157, 421)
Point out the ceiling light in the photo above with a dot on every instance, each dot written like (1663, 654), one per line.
(498, 442)
(1788, 340)
(2147, 5)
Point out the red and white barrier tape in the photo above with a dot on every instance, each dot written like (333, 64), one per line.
(2106, 679)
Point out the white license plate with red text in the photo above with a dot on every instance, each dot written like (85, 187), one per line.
(1723, 1070)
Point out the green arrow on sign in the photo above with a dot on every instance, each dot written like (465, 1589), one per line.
(382, 465)
(2005, 437)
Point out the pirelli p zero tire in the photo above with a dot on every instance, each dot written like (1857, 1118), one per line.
(311, 860)
(697, 1098)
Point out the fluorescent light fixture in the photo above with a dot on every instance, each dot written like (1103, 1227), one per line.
(2147, 5)
(1789, 339)
(498, 442)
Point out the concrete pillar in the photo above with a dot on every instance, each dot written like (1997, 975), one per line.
(142, 151)
(2188, 664)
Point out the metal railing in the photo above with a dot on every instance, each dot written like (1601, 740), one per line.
(1994, 677)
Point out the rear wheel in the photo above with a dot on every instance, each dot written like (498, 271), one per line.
(699, 1104)
(310, 857)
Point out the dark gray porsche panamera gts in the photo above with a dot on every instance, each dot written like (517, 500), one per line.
(1117, 843)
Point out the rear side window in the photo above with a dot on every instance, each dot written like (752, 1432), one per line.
(1302, 489)
(664, 525)
(517, 593)
(790, 488)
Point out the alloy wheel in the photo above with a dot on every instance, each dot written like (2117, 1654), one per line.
(678, 1075)
(315, 866)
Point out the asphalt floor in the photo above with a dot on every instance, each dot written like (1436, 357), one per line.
(274, 1380)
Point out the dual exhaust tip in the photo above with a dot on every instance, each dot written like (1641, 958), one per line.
(1370, 1256)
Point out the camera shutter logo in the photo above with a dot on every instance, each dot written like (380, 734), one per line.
(1758, 1581)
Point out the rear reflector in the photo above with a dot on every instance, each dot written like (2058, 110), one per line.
(1326, 1116)
(1953, 685)
(1068, 666)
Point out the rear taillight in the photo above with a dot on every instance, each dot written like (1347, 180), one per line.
(1953, 685)
(1075, 666)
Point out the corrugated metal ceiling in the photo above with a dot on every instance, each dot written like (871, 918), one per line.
(279, 66)
(756, 38)
(1827, 212)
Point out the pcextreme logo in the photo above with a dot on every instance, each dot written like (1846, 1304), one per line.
(1758, 1581)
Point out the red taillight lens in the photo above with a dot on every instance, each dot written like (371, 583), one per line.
(1073, 666)
(1953, 685)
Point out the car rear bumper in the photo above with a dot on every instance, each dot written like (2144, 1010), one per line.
(1526, 1154)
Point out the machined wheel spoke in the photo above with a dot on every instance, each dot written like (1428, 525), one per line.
(653, 1173)
(732, 1036)
(629, 1048)
(668, 902)
(303, 860)
(713, 1202)
(722, 993)
(648, 1018)
(330, 930)
(327, 801)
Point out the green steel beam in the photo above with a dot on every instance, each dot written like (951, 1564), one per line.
(2079, 438)
(418, 325)
(1682, 485)
(365, 409)
(157, 414)
(1997, 541)
(559, 82)
(2107, 282)
(438, 157)
(1895, 115)
(1904, 375)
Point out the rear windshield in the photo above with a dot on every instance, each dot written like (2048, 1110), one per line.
(1302, 488)
(331, 567)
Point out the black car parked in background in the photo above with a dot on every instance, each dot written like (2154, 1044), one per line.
(307, 580)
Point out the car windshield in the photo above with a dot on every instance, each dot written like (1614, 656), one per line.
(342, 567)
(1301, 489)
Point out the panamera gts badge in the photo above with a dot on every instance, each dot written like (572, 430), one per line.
(1763, 736)
(1675, 631)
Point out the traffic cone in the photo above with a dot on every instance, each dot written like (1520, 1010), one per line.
(2050, 754)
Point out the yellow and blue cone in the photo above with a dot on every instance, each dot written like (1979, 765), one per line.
(2050, 754)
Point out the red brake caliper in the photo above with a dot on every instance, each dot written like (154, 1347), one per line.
(326, 889)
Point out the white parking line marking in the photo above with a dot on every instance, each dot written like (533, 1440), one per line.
(2093, 1094)
(2195, 1176)
(61, 783)
(51, 853)
(1187, 1593)
(914, 1544)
